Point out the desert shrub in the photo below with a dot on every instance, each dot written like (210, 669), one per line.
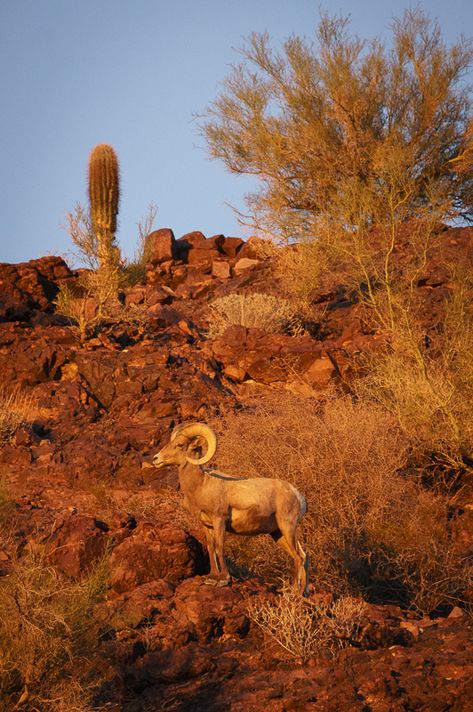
(135, 269)
(84, 240)
(360, 529)
(305, 629)
(15, 410)
(93, 302)
(426, 382)
(346, 129)
(47, 635)
(299, 269)
(426, 569)
(253, 310)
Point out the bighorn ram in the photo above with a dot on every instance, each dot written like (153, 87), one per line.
(241, 505)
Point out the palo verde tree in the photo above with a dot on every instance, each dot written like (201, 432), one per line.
(345, 131)
(362, 148)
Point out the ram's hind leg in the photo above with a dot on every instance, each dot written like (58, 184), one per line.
(288, 541)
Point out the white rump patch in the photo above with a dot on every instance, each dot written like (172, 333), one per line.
(302, 500)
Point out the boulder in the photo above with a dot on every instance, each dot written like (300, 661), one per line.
(161, 245)
(243, 264)
(139, 606)
(231, 245)
(187, 242)
(211, 612)
(76, 544)
(202, 259)
(193, 239)
(155, 552)
(319, 371)
(251, 247)
(220, 269)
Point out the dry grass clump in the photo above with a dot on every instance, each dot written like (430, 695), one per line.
(47, 637)
(6, 502)
(253, 310)
(304, 628)
(368, 529)
(15, 410)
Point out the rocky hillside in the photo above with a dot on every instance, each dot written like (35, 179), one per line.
(79, 476)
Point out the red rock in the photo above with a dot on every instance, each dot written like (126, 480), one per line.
(193, 239)
(412, 627)
(162, 245)
(211, 612)
(170, 665)
(252, 248)
(136, 295)
(234, 373)
(231, 246)
(34, 283)
(320, 372)
(220, 269)
(134, 608)
(243, 264)
(202, 258)
(265, 370)
(198, 288)
(216, 241)
(76, 544)
(235, 336)
(155, 553)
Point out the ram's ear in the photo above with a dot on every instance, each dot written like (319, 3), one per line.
(199, 450)
(198, 441)
(196, 446)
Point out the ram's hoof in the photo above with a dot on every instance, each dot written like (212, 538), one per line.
(216, 581)
(223, 582)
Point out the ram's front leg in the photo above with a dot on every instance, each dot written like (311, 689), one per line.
(219, 537)
(214, 569)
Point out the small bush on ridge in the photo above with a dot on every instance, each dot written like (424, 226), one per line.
(253, 310)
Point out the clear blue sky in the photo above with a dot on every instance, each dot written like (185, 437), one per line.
(132, 73)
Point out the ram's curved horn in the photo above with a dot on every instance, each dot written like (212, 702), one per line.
(179, 428)
(190, 430)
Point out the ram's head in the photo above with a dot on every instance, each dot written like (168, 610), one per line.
(195, 443)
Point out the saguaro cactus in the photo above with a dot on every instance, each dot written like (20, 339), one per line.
(104, 194)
